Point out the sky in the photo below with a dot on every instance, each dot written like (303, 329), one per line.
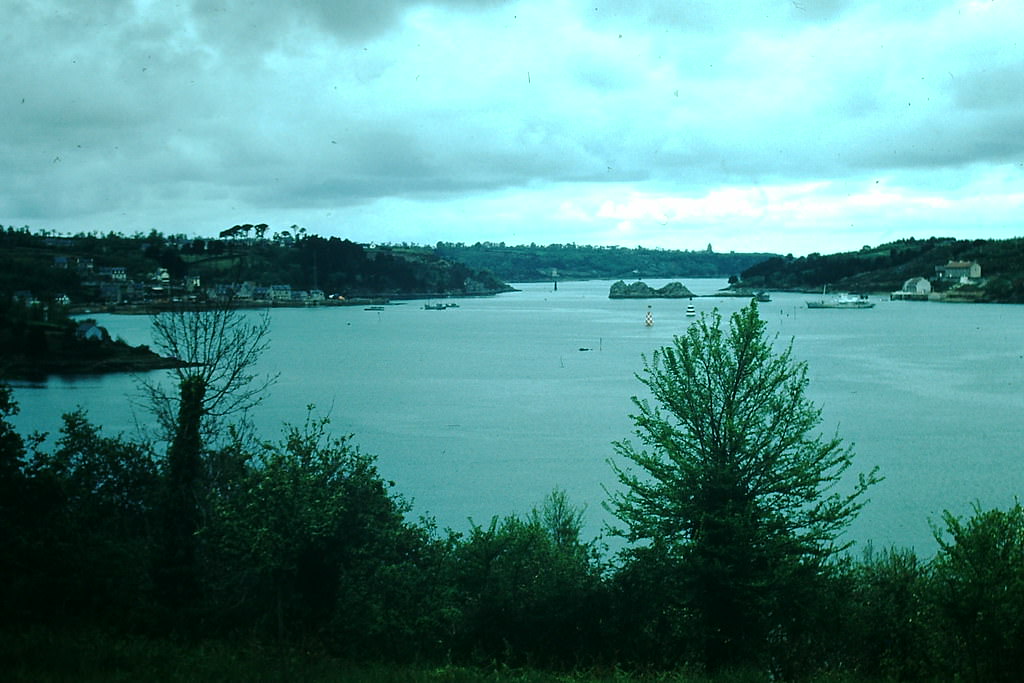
(784, 126)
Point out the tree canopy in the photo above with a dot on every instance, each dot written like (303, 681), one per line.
(730, 480)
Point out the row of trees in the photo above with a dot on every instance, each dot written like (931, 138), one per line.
(730, 503)
(531, 263)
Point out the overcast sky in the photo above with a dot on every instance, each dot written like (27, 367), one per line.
(753, 125)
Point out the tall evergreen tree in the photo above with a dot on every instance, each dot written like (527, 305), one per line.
(732, 486)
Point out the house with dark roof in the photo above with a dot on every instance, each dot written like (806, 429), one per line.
(962, 271)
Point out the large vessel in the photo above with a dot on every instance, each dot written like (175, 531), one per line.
(843, 301)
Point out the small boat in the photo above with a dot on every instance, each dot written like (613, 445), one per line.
(843, 301)
(691, 310)
(762, 297)
(374, 308)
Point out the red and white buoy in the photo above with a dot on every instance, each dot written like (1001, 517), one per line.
(649, 320)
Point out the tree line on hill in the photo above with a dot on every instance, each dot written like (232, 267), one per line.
(534, 263)
(49, 266)
(334, 265)
(730, 503)
(886, 267)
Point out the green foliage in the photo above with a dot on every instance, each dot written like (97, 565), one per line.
(337, 266)
(13, 520)
(12, 446)
(528, 590)
(303, 554)
(182, 493)
(530, 263)
(309, 542)
(38, 340)
(979, 575)
(889, 615)
(734, 490)
(84, 541)
(887, 266)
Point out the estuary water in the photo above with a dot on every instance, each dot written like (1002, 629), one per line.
(483, 409)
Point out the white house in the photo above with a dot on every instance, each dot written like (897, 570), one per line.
(914, 289)
(964, 271)
(114, 273)
(280, 292)
(90, 331)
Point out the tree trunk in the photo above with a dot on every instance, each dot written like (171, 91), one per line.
(181, 510)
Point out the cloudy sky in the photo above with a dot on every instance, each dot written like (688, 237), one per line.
(753, 125)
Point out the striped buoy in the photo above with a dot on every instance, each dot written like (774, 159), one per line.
(649, 320)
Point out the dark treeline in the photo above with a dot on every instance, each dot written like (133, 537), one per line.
(301, 542)
(49, 265)
(886, 267)
(532, 263)
(36, 341)
(732, 561)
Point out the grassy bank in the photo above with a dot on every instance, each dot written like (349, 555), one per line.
(46, 655)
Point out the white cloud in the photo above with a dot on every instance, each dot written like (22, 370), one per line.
(665, 123)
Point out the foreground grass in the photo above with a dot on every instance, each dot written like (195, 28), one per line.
(44, 655)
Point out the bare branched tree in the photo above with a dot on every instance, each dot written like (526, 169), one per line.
(219, 347)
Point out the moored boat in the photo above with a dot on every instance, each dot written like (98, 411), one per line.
(843, 301)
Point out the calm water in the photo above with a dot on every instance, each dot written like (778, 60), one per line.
(483, 409)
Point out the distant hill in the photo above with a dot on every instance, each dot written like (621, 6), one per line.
(535, 263)
(886, 267)
(84, 267)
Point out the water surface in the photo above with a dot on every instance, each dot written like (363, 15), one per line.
(481, 410)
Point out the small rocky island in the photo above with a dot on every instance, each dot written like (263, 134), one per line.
(642, 290)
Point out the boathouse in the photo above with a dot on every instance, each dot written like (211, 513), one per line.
(914, 289)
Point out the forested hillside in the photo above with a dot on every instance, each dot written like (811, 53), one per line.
(47, 265)
(886, 267)
(532, 263)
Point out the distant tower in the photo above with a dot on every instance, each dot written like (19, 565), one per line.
(649, 320)
(709, 248)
